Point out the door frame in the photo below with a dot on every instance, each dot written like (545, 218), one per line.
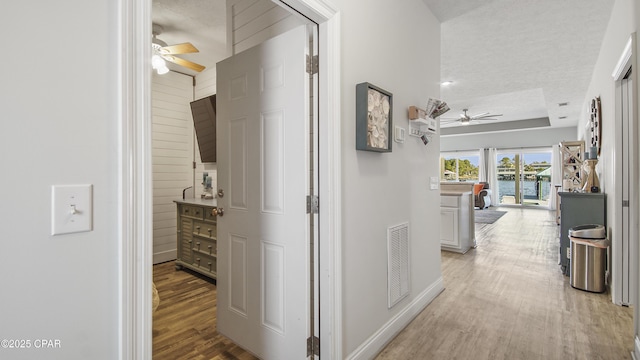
(519, 152)
(135, 176)
(626, 61)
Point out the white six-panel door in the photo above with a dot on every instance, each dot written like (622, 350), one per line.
(263, 167)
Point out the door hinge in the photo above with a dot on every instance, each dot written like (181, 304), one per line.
(194, 164)
(313, 204)
(625, 203)
(312, 64)
(313, 346)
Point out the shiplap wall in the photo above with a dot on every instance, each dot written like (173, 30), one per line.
(173, 153)
(250, 22)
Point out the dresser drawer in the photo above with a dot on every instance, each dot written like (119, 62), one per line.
(204, 229)
(450, 201)
(195, 212)
(205, 246)
(208, 215)
(205, 262)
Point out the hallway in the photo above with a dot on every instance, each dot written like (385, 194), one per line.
(507, 299)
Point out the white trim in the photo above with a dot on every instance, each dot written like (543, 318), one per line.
(376, 342)
(330, 175)
(134, 188)
(623, 63)
(330, 190)
(330, 155)
(626, 60)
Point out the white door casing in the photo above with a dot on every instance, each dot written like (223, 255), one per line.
(626, 202)
(263, 166)
(134, 134)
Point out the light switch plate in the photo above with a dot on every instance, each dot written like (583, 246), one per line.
(398, 134)
(434, 181)
(71, 209)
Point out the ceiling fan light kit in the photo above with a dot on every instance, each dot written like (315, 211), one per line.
(163, 52)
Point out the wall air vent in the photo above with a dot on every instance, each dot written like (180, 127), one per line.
(563, 104)
(398, 263)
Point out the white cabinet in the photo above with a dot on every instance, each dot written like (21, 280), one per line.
(449, 235)
(456, 221)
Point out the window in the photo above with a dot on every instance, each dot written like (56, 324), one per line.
(460, 166)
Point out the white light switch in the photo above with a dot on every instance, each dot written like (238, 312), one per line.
(434, 181)
(71, 209)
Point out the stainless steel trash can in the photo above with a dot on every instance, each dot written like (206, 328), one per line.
(588, 258)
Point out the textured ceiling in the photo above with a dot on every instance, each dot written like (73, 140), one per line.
(200, 22)
(519, 58)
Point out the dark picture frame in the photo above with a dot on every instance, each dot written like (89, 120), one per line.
(374, 118)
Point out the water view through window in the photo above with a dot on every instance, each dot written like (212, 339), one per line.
(524, 178)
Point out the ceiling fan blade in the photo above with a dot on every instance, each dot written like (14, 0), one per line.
(485, 115)
(184, 48)
(482, 119)
(476, 116)
(185, 63)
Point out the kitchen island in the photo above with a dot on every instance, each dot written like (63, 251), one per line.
(457, 223)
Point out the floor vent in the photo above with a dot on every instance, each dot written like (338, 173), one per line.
(398, 263)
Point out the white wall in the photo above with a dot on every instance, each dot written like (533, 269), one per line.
(59, 101)
(173, 153)
(508, 139)
(620, 27)
(396, 46)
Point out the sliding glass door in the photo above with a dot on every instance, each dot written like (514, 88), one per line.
(524, 177)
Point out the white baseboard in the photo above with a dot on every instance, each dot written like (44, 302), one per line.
(635, 354)
(376, 342)
(165, 256)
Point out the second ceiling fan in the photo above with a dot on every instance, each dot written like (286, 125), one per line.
(466, 119)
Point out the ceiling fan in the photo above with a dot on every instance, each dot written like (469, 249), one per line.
(465, 119)
(162, 52)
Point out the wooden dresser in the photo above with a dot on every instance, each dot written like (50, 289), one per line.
(197, 231)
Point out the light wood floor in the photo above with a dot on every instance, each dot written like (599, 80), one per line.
(507, 299)
(184, 325)
(504, 300)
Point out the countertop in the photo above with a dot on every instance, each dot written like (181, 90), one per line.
(198, 201)
(454, 193)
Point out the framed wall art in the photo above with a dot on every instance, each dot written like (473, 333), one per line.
(374, 123)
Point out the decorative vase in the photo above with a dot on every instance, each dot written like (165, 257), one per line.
(592, 184)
